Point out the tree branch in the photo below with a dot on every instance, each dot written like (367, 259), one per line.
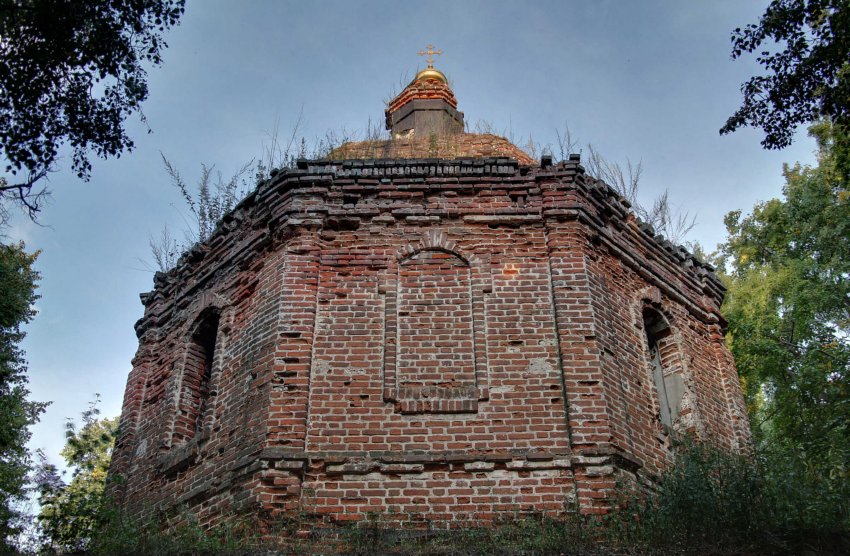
(23, 194)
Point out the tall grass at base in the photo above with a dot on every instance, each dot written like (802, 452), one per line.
(708, 502)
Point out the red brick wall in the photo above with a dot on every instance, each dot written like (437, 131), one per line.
(426, 340)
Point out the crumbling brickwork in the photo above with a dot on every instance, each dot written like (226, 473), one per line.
(476, 145)
(432, 338)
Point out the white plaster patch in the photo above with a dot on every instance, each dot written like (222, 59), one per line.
(539, 365)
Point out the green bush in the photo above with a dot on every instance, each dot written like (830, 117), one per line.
(119, 535)
(714, 502)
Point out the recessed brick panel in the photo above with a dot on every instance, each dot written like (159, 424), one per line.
(435, 332)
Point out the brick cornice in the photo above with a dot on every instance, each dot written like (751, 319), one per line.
(300, 197)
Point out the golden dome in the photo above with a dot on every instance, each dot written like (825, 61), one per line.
(431, 73)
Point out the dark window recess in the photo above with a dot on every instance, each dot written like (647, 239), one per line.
(665, 366)
(197, 377)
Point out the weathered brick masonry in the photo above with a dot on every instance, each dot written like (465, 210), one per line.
(422, 338)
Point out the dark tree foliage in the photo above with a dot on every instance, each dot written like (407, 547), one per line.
(71, 71)
(17, 294)
(806, 80)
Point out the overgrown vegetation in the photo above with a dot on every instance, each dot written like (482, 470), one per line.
(213, 196)
(714, 502)
(709, 502)
(625, 178)
(117, 535)
(667, 220)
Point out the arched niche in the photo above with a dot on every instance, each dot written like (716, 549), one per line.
(435, 350)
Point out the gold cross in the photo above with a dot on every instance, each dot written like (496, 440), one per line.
(430, 52)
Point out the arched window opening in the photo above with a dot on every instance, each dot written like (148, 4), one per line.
(197, 376)
(665, 367)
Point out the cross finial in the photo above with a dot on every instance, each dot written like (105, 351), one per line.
(430, 53)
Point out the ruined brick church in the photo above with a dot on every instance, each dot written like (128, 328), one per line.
(433, 327)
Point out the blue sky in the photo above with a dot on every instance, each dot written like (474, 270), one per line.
(648, 81)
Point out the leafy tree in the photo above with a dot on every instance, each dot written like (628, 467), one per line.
(71, 72)
(17, 284)
(807, 79)
(789, 309)
(71, 513)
